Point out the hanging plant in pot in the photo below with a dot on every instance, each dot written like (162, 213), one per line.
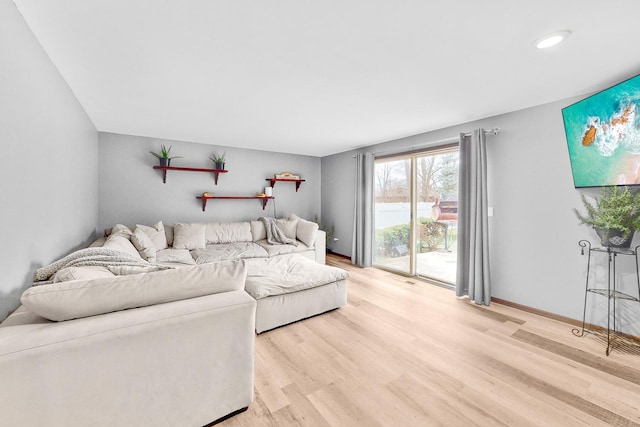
(218, 160)
(615, 216)
(163, 156)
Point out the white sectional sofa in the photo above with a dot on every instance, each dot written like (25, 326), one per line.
(284, 279)
(155, 325)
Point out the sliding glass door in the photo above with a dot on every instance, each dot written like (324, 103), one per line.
(416, 213)
(393, 214)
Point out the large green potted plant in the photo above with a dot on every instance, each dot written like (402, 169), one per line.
(163, 156)
(615, 215)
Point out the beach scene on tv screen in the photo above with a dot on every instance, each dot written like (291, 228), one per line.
(603, 135)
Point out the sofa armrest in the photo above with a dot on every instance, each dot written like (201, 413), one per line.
(185, 362)
(321, 247)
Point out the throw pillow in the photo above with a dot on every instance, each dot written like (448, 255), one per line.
(119, 230)
(306, 230)
(288, 226)
(117, 241)
(258, 232)
(189, 236)
(144, 245)
(156, 234)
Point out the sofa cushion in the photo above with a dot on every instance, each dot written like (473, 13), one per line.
(156, 234)
(117, 241)
(282, 275)
(305, 230)
(274, 250)
(82, 298)
(189, 236)
(81, 273)
(230, 232)
(175, 257)
(225, 251)
(144, 245)
(258, 232)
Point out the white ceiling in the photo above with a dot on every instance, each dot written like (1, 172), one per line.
(318, 77)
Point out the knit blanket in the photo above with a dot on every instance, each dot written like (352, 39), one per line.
(275, 235)
(94, 256)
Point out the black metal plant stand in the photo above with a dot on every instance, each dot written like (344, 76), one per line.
(610, 291)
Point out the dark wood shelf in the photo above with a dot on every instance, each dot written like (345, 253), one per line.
(164, 170)
(297, 181)
(265, 199)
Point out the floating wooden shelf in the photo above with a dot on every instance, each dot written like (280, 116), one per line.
(164, 170)
(297, 181)
(265, 199)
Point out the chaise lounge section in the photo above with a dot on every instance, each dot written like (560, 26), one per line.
(180, 362)
(293, 288)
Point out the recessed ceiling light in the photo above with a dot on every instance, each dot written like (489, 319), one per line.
(552, 39)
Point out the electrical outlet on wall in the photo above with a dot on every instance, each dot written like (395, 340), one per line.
(490, 211)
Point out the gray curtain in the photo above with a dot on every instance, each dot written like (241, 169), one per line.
(472, 277)
(362, 249)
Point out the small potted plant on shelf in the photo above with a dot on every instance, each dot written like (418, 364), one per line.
(218, 160)
(164, 158)
(615, 216)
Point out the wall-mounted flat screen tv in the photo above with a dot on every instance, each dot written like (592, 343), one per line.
(603, 135)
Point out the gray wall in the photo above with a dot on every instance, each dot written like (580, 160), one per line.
(48, 176)
(132, 192)
(535, 259)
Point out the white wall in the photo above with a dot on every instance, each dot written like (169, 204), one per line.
(338, 182)
(50, 157)
(535, 258)
(132, 192)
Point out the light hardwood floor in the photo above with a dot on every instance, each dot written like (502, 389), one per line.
(406, 353)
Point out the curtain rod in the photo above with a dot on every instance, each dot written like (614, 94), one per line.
(493, 131)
